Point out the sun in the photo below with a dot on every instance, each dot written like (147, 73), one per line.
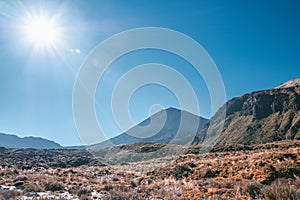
(42, 31)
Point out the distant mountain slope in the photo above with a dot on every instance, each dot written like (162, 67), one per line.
(259, 117)
(170, 132)
(13, 141)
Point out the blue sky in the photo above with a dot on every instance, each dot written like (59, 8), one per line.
(255, 45)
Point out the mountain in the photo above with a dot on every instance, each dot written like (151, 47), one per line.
(13, 141)
(179, 128)
(256, 118)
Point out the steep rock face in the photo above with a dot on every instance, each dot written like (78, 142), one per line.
(259, 117)
(262, 104)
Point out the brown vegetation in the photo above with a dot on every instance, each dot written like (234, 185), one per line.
(269, 171)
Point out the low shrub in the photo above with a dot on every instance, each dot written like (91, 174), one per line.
(32, 187)
(182, 171)
(211, 174)
(54, 186)
(279, 191)
(83, 192)
(288, 170)
(84, 197)
(120, 195)
(108, 187)
(9, 194)
(254, 190)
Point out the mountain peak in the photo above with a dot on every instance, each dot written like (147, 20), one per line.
(176, 110)
(291, 83)
(171, 108)
(179, 127)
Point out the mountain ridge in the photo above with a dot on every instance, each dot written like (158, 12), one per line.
(255, 118)
(165, 136)
(14, 141)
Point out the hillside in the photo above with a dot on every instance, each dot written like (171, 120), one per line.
(259, 117)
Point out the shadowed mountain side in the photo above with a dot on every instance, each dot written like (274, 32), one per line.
(179, 128)
(259, 117)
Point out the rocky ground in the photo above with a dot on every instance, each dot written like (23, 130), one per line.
(58, 158)
(270, 171)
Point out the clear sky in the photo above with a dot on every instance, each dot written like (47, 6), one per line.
(255, 45)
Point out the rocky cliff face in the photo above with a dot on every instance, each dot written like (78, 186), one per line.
(259, 117)
(291, 83)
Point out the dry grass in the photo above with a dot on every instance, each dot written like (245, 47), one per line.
(9, 194)
(280, 191)
(252, 174)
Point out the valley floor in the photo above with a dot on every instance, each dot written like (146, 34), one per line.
(270, 171)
